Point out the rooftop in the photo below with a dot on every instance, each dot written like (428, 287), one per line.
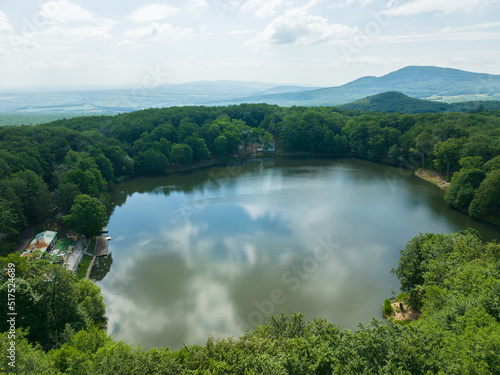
(41, 242)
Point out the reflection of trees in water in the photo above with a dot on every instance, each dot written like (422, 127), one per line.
(101, 267)
(187, 181)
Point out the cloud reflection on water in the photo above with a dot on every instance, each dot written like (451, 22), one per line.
(200, 276)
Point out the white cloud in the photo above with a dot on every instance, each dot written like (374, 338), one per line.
(5, 26)
(152, 12)
(349, 3)
(18, 43)
(197, 5)
(64, 22)
(477, 27)
(238, 32)
(362, 2)
(444, 6)
(159, 31)
(296, 26)
(471, 33)
(64, 11)
(127, 43)
(11, 42)
(65, 35)
(262, 8)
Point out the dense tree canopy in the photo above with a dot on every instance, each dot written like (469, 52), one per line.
(50, 301)
(68, 166)
(456, 277)
(181, 153)
(44, 167)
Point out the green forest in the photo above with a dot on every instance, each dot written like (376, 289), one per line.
(45, 168)
(67, 168)
(454, 279)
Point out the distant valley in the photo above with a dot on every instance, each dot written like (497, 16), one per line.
(441, 88)
(112, 101)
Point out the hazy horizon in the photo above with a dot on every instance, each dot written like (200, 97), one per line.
(126, 86)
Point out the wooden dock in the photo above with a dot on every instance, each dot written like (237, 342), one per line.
(101, 246)
(101, 249)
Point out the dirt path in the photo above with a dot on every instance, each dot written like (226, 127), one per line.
(432, 176)
(404, 313)
(75, 257)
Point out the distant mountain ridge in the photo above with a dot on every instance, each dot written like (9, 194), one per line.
(420, 82)
(424, 82)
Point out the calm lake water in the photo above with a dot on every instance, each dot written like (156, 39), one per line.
(217, 250)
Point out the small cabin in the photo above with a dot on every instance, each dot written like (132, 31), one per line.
(43, 241)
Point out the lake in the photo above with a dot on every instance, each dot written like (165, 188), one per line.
(217, 250)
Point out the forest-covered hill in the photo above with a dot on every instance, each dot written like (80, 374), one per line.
(394, 101)
(441, 84)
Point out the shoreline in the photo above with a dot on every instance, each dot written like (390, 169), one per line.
(428, 175)
(433, 177)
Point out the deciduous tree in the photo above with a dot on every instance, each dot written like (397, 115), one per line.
(87, 216)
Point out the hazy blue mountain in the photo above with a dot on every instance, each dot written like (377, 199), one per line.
(424, 82)
(287, 89)
(428, 82)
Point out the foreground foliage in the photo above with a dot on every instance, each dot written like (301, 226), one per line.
(455, 279)
(51, 303)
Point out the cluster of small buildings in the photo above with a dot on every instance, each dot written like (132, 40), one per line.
(44, 242)
(46, 245)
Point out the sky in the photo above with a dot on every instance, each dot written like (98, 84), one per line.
(116, 43)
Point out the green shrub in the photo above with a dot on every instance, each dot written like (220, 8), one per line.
(387, 310)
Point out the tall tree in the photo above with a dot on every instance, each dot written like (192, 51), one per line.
(151, 162)
(181, 154)
(447, 155)
(65, 196)
(220, 146)
(463, 187)
(487, 198)
(200, 149)
(87, 216)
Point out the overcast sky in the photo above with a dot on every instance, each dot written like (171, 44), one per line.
(325, 43)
